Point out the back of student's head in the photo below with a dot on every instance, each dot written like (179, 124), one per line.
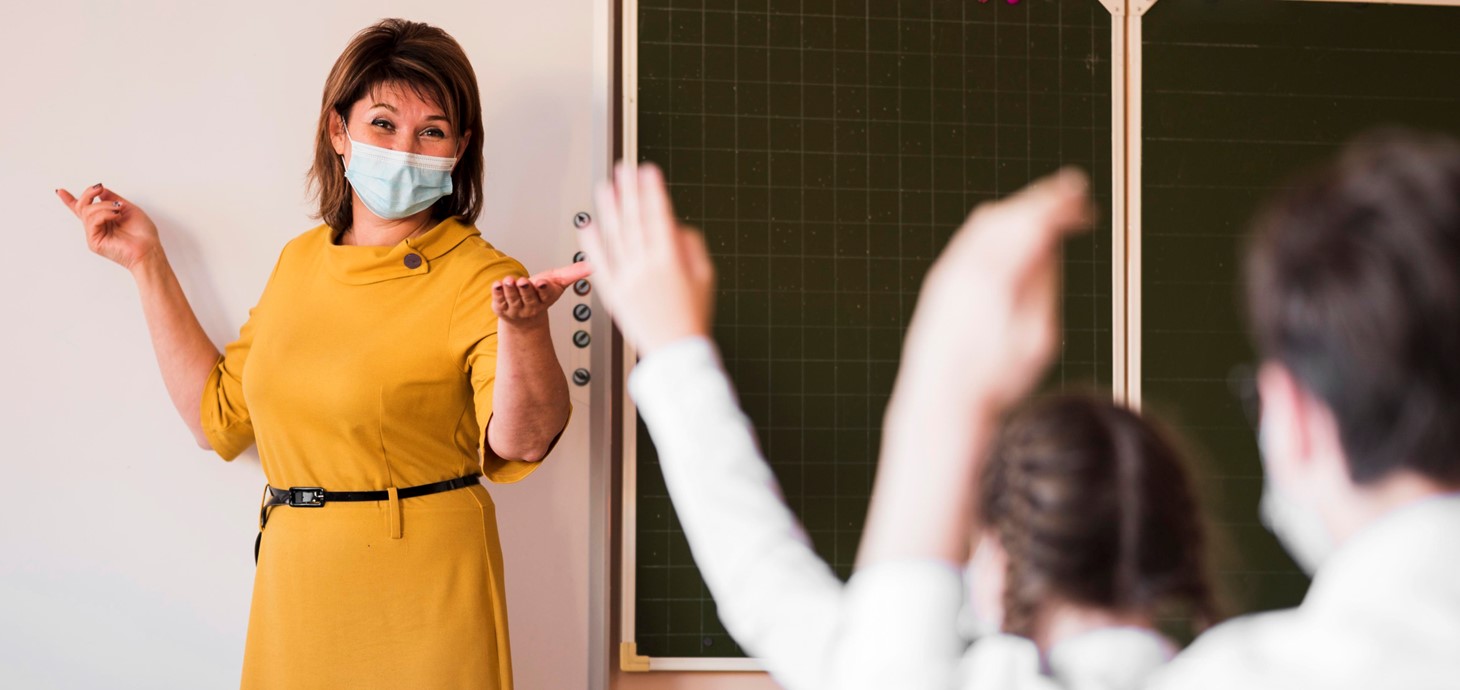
(1093, 506)
(1354, 287)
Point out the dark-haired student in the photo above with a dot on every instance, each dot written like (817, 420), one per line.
(1086, 529)
(1353, 287)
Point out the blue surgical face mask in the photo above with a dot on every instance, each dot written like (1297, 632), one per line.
(396, 184)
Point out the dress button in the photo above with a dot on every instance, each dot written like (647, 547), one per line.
(413, 261)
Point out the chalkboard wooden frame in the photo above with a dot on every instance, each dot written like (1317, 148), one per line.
(629, 658)
(1126, 118)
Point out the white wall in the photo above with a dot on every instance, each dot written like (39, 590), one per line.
(126, 552)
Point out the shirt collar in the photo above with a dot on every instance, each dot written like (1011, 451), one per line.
(411, 257)
(1392, 555)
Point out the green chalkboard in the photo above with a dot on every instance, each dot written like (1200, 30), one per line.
(828, 149)
(1237, 97)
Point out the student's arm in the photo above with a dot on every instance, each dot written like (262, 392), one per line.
(985, 328)
(775, 595)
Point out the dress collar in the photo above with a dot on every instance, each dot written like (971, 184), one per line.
(411, 257)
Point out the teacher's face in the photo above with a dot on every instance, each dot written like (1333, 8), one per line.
(394, 116)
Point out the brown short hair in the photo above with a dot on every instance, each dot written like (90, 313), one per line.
(416, 56)
(1353, 284)
(1094, 505)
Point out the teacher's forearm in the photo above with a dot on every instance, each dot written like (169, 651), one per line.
(530, 398)
(184, 353)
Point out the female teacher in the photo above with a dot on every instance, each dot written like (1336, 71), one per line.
(394, 357)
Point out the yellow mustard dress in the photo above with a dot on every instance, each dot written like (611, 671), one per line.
(371, 368)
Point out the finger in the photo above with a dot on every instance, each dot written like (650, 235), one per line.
(565, 275)
(68, 200)
(1021, 230)
(656, 207)
(499, 300)
(1060, 201)
(548, 292)
(89, 195)
(695, 253)
(528, 291)
(512, 294)
(96, 222)
(631, 223)
(107, 194)
(95, 215)
(592, 243)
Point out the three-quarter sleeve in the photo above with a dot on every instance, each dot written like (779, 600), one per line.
(224, 412)
(474, 323)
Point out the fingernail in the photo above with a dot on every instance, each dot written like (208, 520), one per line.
(96, 185)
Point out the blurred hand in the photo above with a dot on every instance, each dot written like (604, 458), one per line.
(655, 276)
(115, 228)
(987, 321)
(518, 301)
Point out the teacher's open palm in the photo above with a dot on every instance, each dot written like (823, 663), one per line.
(521, 300)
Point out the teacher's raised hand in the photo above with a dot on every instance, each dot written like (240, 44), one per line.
(115, 229)
(655, 275)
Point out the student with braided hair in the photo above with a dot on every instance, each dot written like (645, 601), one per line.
(1088, 520)
(1089, 526)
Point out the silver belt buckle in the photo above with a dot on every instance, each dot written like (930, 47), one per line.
(306, 497)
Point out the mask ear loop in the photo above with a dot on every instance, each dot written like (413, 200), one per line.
(345, 126)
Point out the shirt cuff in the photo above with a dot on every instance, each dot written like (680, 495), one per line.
(663, 372)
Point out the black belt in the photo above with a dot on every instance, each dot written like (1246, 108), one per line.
(316, 497)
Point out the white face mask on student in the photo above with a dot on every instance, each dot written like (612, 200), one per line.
(1298, 528)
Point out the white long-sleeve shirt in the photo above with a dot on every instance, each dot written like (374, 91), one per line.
(893, 626)
(1384, 612)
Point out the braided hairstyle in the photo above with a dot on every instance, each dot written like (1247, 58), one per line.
(1094, 506)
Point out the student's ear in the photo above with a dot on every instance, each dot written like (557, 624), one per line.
(1302, 443)
(1284, 435)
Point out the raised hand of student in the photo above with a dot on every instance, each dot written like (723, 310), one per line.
(985, 328)
(987, 320)
(655, 275)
